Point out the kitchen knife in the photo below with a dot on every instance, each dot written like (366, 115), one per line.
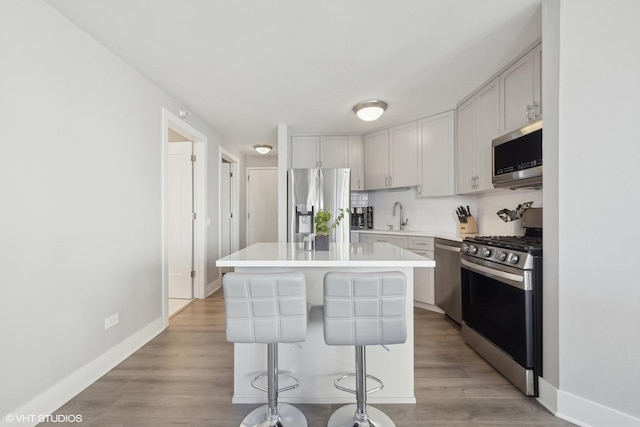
(462, 214)
(468, 211)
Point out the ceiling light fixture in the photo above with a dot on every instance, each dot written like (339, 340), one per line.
(370, 110)
(262, 149)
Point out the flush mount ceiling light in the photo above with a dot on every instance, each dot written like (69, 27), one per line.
(262, 149)
(370, 110)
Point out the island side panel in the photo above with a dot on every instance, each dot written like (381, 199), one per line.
(317, 365)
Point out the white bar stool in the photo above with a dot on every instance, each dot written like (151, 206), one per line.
(271, 309)
(363, 309)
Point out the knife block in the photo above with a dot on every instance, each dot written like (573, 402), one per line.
(469, 227)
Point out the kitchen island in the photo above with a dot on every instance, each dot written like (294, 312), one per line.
(316, 364)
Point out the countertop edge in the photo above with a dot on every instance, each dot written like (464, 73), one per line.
(449, 235)
(427, 263)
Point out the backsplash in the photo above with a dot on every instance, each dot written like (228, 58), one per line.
(489, 223)
(438, 213)
(432, 214)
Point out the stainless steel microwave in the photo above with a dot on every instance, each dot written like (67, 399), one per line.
(517, 158)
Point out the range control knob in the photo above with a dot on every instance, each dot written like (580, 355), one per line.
(465, 248)
(485, 252)
(501, 256)
(513, 258)
(472, 249)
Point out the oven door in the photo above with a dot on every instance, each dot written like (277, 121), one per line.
(497, 302)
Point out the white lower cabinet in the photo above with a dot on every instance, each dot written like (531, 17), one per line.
(394, 239)
(423, 286)
(424, 290)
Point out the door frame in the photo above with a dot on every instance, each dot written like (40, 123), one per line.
(200, 141)
(235, 203)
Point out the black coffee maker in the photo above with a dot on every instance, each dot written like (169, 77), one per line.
(358, 215)
(362, 218)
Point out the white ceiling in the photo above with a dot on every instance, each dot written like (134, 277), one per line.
(246, 66)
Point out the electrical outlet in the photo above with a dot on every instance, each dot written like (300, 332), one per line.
(111, 321)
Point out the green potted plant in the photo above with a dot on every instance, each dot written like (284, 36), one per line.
(323, 229)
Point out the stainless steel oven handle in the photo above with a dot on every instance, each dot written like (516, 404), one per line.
(515, 280)
(448, 248)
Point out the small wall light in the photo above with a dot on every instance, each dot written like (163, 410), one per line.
(370, 110)
(262, 149)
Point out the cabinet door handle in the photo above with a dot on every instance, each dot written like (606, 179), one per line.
(390, 182)
(536, 108)
(420, 243)
(419, 189)
(358, 184)
(386, 181)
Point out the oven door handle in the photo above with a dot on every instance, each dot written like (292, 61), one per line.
(448, 248)
(515, 280)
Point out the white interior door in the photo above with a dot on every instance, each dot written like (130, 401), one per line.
(180, 220)
(262, 205)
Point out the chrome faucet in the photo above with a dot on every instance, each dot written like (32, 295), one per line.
(403, 221)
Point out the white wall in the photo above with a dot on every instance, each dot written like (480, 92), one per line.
(599, 154)
(262, 161)
(80, 179)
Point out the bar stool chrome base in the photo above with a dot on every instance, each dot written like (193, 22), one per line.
(346, 417)
(288, 416)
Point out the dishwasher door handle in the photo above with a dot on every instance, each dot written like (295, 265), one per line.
(448, 248)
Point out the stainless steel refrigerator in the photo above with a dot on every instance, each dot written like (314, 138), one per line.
(314, 189)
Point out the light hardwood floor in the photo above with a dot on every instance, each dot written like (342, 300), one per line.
(184, 377)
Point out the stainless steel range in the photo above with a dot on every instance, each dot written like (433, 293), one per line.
(501, 279)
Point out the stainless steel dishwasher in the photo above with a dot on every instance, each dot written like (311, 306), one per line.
(448, 295)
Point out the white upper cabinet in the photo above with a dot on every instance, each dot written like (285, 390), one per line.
(403, 155)
(304, 152)
(319, 151)
(477, 125)
(391, 157)
(376, 160)
(465, 150)
(356, 163)
(334, 152)
(487, 128)
(537, 81)
(521, 101)
(436, 154)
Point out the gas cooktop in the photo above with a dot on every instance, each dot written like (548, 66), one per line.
(531, 244)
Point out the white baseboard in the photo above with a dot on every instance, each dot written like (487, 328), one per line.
(580, 411)
(427, 306)
(584, 412)
(59, 394)
(212, 287)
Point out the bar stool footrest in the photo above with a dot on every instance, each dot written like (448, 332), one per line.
(348, 390)
(286, 374)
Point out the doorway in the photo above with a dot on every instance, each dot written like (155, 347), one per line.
(180, 222)
(262, 205)
(229, 240)
(183, 214)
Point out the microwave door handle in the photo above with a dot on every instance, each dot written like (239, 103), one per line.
(515, 280)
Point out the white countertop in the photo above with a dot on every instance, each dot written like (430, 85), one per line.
(373, 254)
(450, 235)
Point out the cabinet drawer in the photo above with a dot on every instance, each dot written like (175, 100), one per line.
(421, 243)
(400, 241)
(427, 254)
